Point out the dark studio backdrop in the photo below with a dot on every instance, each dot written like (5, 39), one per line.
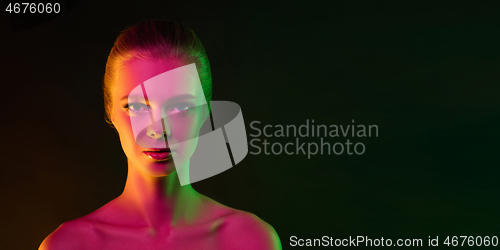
(426, 73)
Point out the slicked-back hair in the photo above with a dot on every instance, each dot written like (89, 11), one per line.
(152, 40)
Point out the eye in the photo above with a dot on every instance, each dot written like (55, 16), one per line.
(179, 108)
(137, 107)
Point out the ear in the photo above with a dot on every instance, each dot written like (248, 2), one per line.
(112, 120)
(109, 115)
(205, 113)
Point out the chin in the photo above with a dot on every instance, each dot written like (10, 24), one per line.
(159, 169)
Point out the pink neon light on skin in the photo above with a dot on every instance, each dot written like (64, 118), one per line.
(155, 211)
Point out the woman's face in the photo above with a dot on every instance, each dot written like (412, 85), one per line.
(158, 108)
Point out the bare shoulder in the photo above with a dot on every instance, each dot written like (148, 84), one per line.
(239, 230)
(69, 235)
(76, 234)
(244, 230)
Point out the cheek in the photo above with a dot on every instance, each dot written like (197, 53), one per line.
(185, 134)
(186, 129)
(123, 126)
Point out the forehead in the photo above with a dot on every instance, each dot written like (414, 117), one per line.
(163, 78)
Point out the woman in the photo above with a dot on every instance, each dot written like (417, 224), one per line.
(155, 211)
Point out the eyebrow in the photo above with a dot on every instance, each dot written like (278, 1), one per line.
(174, 98)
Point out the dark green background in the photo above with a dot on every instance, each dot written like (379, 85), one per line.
(427, 73)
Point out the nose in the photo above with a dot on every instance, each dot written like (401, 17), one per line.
(159, 129)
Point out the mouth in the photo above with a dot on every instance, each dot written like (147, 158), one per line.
(158, 154)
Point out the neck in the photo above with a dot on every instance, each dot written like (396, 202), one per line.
(159, 201)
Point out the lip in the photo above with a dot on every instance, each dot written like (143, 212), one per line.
(159, 154)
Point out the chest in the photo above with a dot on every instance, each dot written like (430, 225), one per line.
(185, 238)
